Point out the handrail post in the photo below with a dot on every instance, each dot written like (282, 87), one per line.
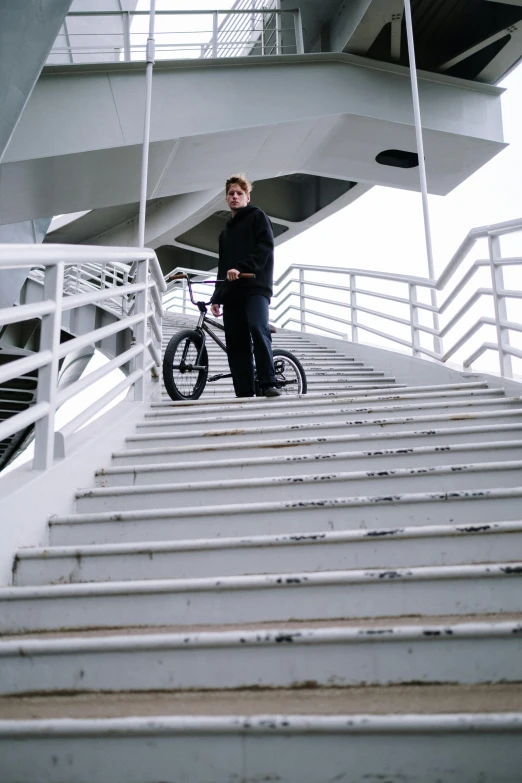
(215, 21)
(499, 302)
(353, 309)
(126, 36)
(50, 332)
(278, 24)
(302, 308)
(414, 319)
(298, 25)
(142, 276)
(146, 127)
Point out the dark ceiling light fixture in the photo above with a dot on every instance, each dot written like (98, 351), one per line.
(400, 159)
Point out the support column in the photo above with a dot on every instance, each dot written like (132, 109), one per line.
(146, 127)
(422, 164)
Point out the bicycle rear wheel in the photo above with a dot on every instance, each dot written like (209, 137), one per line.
(290, 375)
(183, 376)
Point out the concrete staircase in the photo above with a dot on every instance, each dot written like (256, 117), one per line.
(300, 590)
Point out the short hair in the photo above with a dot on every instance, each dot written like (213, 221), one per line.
(241, 180)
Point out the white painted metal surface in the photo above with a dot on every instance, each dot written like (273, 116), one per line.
(325, 551)
(146, 316)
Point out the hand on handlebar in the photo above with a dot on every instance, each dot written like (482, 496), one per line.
(233, 274)
(215, 309)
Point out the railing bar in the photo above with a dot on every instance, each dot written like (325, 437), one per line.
(98, 334)
(78, 300)
(24, 419)
(461, 284)
(22, 255)
(13, 315)
(96, 375)
(195, 12)
(328, 317)
(465, 337)
(20, 367)
(100, 404)
(422, 281)
(384, 335)
(464, 309)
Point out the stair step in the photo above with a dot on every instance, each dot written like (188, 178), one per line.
(296, 737)
(254, 404)
(401, 389)
(352, 423)
(431, 545)
(467, 653)
(306, 486)
(263, 598)
(386, 703)
(139, 474)
(321, 412)
(299, 517)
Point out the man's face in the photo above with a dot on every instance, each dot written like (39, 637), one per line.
(237, 198)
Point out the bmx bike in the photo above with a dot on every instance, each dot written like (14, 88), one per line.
(185, 363)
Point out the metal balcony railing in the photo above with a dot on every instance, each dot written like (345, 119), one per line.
(249, 28)
(350, 303)
(126, 280)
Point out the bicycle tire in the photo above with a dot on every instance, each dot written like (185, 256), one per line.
(292, 365)
(181, 381)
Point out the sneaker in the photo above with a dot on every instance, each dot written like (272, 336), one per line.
(272, 391)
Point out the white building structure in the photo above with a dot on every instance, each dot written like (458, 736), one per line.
(320, 588)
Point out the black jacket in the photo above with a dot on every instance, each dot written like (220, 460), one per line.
(247, 244)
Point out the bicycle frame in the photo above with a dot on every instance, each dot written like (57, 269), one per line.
(202, 327)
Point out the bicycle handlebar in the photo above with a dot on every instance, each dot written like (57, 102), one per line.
(183, 276)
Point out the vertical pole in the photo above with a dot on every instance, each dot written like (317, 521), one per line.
(414, 319)
(422, 165)
(185, 295)
(302, 313)
(142, 276)
(499, 301)
(48, 376)
(126, 36)
(298, 24)
(353, 309)
(215, 34)
(68, 40)
(278, 18)
(146, 127)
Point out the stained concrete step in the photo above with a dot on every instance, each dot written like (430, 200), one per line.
(465, 653)
(365, 397)
(352, 423)
(201, 712)
(322, 412)
(438, 436)
(139, 474)
(460, 590)
(306, 486)
(266, 736)
(300, 517)
(394, 389)
(432, 545)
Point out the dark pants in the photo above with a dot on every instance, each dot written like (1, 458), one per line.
(246, 324)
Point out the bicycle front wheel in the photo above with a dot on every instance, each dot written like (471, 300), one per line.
(290, 375)
(185, 371)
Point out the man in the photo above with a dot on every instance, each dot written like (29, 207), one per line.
(246, 244)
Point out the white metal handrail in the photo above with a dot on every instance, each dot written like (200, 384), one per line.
(296, 291)
(57, 266)
(249, 27)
